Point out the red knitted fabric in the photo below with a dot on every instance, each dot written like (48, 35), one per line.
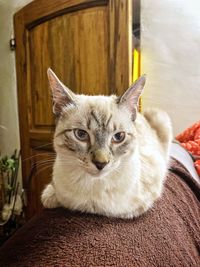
(190, 140)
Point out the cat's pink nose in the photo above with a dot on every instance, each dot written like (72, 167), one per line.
(100, 165)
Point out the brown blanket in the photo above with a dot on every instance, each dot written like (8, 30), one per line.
(167, 235)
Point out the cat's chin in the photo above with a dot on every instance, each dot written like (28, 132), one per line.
(101, 174)
(93, 174)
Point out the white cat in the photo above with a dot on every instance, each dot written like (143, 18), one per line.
(110, 159)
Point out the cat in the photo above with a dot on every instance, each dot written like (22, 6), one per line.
(110, 159)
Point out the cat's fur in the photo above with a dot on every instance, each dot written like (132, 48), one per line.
(133, 176)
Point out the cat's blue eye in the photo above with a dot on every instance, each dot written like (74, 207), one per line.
(118, 137)
(81, 135)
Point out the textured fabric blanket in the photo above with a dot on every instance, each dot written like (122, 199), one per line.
(190, 140)
(167, 235)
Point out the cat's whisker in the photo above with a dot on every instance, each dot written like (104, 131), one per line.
(44, 145)
(75, 180)
(47, 159)
(72, 161)
(52, 154)
(37, 163)
(41, 170)
(44, 165)
(37, 166)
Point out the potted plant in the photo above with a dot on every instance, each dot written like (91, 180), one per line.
(10, 199)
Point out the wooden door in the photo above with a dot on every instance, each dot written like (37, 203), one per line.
(87, 43)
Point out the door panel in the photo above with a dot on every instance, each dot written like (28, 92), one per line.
(57, 45)
(87, 43)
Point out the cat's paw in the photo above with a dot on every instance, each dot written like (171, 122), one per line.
(141, 206)
(48, 197)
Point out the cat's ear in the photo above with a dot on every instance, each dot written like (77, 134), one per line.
(62, 96)
(131, 97)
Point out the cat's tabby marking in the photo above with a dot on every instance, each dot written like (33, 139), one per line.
(110, 159)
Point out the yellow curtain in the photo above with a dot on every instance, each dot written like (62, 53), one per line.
(136, 70)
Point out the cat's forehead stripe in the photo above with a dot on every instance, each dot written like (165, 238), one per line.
(107, 123)
(95, 118)
(88, 123)
(102, 120)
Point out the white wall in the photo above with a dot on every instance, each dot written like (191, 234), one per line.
(9, 138)
(170, 43)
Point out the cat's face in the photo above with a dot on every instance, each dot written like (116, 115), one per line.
(94, 133)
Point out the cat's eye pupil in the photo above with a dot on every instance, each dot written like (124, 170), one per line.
(81, 134)
(118, 137)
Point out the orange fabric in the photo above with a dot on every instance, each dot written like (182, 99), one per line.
(197, 166)
(190, 140)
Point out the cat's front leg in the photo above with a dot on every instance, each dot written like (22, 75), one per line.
(48, 198)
